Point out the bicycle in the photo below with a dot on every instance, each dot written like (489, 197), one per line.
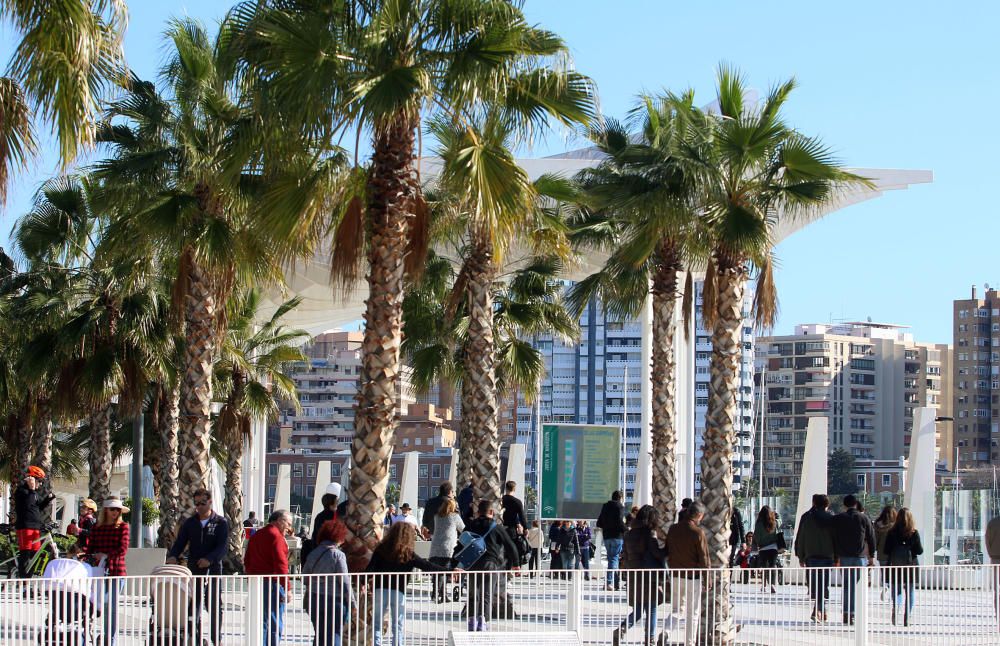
(36, 566)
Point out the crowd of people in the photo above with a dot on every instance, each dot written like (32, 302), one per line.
(468, 535)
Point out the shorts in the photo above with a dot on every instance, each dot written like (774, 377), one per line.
(29, 540)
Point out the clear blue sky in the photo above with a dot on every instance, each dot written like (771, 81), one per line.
(885, 84)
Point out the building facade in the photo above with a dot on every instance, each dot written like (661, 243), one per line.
(977, 379)
(866, 378)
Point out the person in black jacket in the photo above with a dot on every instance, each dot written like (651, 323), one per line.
(29, 510)
(611, 522)
(330, 501)
(643, 553)
(853, 534)
(513, 508)
(903, 546)
(736, 535)
(501, 552)
(205, 536)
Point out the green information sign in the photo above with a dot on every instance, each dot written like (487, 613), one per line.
(580, 469)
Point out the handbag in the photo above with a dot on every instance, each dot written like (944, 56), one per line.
(782, 546)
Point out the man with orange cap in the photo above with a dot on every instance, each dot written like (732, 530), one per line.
(29, 511)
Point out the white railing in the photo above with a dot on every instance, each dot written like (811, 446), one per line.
(952, 605)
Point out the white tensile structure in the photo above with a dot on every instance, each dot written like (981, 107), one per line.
(321, 310)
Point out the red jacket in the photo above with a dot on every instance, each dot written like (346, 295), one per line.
(113, 541)
(267, 553)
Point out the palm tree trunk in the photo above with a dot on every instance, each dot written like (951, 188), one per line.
(392, 188)
(169, 490)
(716, 463)
(662, 431)
(233, 503)
(99, 453)
(479, 388)
(195, 437)
(466, 435)
(42, 438)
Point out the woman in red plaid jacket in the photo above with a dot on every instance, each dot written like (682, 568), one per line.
(109, 540)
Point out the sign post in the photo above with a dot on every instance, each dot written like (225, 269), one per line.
(579, 469)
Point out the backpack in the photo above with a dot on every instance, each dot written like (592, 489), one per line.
(901, 553)
(523, 549)
(473, 547)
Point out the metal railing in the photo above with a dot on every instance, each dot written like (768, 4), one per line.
(951, 605)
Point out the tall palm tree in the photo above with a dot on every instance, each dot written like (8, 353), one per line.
(68, 52)
(104, 318)
(436, 324)
(185, 169)
(642, 209)
(757, 171)
(251, 378)
(380, 67)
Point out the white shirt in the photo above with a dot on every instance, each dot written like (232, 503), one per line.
(405, 518)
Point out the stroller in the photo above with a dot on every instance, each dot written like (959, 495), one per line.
(71, 604)
(172, 601)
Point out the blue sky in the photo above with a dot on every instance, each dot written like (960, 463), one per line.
(885, 84)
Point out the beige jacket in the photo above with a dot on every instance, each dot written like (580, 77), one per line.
(993, 539)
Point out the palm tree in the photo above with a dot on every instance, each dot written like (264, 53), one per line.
(436, 324)
(103, 319)
(251, 378)
(43, 87)
(641, 208)
(380, 66)
(184, 170)
(757, 170)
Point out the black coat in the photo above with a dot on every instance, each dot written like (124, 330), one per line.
(611, 520)
(501, 552)
(28, 508)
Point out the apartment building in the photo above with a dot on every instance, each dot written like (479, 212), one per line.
(866, 378)
(977, 379)
(327, 386)
(598, 381)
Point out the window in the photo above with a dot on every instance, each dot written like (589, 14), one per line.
(886, 480)
(311, 470)
(422, 471)
(436, 471)
(335, 470)
(271, 491)
(297, 469)
(272, 470)
(861, 480)
(392, 471)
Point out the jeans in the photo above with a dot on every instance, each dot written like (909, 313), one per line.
(327, 616)
(274, 612)
(901, 582)
(480, 604)
(583, 559)
(533, 559)
(614, 549)
(206, 595)
(395, 602)
(649, 611)
(851, 576)
(819, 581)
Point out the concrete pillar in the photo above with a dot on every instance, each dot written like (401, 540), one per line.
(684, 418)
(643, 492)
(814, 462)
(516, 456)
(919, 495)
(453, 471)
(69, 510)
(283, 494)
(254, 468)
(322, 479)
(408, 483)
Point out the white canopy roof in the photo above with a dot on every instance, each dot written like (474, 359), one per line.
(322, 309)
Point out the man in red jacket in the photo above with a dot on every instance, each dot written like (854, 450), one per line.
(267, 554)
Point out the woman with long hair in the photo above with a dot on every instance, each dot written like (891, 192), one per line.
(391, 562)
(902, 544)
(642, 552)
(883, 524)
(448, 526)
(765, 537)
(328, 599)
(108, 540)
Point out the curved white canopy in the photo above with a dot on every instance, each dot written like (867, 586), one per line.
(322, 309)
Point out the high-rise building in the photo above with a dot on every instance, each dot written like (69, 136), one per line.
(977, 379)
(599, 381)
(866, 378)
(327, 386)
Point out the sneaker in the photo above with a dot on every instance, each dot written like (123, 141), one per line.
(608, 588)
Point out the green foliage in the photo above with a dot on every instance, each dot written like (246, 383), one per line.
(150, 511)
(839, 473)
